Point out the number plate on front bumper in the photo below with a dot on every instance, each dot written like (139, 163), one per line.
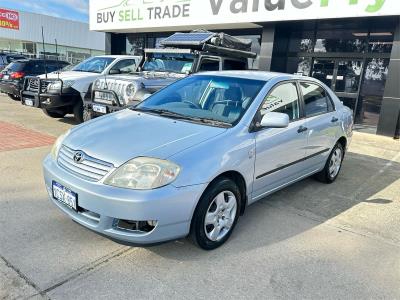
(100, 108)
(65, 196)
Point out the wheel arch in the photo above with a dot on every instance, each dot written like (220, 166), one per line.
(343, 142)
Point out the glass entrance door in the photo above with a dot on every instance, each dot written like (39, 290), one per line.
(343, 76)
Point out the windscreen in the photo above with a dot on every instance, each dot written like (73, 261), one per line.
(169, 62)
(215, 98)
(94, 64)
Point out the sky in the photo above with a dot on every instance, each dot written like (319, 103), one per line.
(67, 9)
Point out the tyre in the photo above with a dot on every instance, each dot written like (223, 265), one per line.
(16, 98)
(333, 165)
(87, 114)
(78, 112)
(216, 214)
(53, 113)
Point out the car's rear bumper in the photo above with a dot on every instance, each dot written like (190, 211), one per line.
(170, 206)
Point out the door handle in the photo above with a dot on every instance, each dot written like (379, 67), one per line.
(334, 120)
(302, 129)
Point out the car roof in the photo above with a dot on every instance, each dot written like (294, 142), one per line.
(257, 75)
(118, 56)
(40, 60)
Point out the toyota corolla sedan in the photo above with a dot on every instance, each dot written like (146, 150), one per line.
(190, 158)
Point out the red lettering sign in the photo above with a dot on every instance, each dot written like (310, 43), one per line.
(9, 19)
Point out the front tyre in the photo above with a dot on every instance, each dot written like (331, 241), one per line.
(333, 166)
(216, 214)
(87, 114)
(54, 114)
(78, 112)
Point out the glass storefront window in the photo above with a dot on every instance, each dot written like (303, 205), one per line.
(348, 76)
(381, 41)
(372, 90)
(341, 40)
(301, 41)
(135, 45)
(300, 65)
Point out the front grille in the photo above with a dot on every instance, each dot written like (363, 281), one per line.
(107, 98)
(89, 168)
(34, 83)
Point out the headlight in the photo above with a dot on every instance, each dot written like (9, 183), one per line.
(144, 173)
(56, 85)
(130, 90)
(57, 145)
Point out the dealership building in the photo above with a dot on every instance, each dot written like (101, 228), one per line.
(22, 32)
(353, 46)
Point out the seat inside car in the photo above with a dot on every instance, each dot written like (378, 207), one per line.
(231, 106)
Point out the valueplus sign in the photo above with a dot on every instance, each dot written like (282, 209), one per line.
(146, 15)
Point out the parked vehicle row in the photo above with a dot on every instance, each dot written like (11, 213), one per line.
(192, 138)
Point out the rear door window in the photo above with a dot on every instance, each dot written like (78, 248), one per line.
(37, 67)
(316, 99)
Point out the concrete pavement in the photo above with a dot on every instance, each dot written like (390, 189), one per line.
(308, 241)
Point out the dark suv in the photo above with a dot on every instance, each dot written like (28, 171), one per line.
(7, 58)
(12, 77)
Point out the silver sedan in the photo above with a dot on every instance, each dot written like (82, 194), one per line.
(190, 158)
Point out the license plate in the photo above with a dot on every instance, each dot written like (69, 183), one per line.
(100, 108)
(103, 96)
(65, 195)
(6, 77)
(28, 102)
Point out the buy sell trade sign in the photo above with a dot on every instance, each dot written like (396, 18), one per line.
(9, 19)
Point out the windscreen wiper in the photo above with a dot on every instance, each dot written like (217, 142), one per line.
(177, 116)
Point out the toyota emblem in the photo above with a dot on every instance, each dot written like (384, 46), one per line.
(79, 157)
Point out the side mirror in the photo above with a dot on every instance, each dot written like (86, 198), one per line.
(275, 120)
(114, 71)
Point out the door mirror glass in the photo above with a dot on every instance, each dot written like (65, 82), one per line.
(275, 120)
(115, 71)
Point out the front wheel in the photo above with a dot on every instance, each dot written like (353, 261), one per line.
(333, 166)
(216, 214)
(87, 114)
(16, 98)
(78, 112)
(53, 114)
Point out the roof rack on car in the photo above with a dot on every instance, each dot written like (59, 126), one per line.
(202, 40)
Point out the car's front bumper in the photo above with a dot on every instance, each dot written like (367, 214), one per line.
(170, 206)
(10, 87)
(50, 101)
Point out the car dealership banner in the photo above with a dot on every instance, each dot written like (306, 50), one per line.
(142, 15)
(9, 19)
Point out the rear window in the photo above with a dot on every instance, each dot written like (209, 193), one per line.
(16, 67)
(11, 58)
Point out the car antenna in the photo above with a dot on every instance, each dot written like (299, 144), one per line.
(44, 54)
(58, 61)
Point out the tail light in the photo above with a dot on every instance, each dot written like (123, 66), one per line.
(17, 75)
(1, 75)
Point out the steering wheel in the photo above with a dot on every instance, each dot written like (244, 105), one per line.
(192, 105)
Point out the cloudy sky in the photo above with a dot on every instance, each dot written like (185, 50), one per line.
(68, 9)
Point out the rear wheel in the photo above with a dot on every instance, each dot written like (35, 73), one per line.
(78, 112)
(333, 166)
(16, 98)
(216, 214)
(53, 113)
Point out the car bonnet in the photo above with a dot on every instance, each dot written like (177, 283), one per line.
(121, 136)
